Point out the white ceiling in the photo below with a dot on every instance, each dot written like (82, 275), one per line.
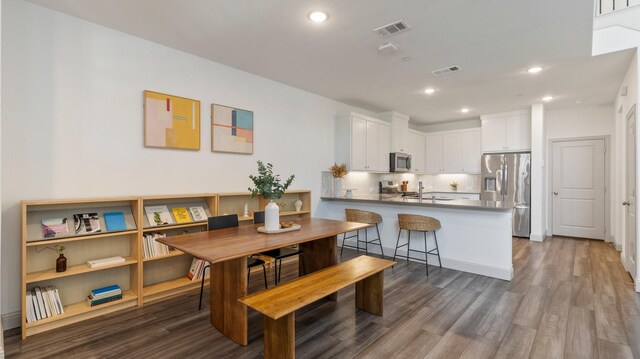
(494, 41)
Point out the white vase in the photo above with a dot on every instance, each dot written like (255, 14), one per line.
(298, 205)
(272, 216)
(337, 187)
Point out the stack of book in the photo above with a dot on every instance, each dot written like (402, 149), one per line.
(152, 248)
(104, 295)
(197, 269)
(43, 303)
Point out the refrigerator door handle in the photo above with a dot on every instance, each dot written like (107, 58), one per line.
(505, 180)
(499, 183)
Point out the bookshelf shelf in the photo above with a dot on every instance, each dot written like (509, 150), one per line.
(74, 270)
(174, 226)
(81, 311)
(81, 238)
(170, 287)
(173, 253)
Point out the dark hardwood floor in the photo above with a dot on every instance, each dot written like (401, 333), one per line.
(570, 298)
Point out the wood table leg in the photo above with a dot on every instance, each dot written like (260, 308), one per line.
(280, 337)
(320, 254)
(228, 284)
(370, 294)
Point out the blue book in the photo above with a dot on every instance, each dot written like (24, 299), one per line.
(115, 221)
(99, 291)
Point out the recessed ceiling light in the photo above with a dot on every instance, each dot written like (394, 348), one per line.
(534, 70)
(547, 98)
(429, 91)
(464, 110)
(318, 16)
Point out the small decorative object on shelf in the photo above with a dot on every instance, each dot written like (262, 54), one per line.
(298, 205)
(338, 172)
(269, 186)
(246, 211)
(454, 185)
(61, 261)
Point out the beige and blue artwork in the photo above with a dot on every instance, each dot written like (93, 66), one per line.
(231, 130)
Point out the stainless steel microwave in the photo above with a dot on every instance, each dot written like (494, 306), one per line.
(399, 162)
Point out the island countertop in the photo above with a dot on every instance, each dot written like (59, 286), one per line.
(426, 202)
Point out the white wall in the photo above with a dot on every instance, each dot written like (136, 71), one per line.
(1, 326)
(585, 121)
(73, 121)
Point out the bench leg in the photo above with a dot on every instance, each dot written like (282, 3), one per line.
(280, 337)
(369, 294)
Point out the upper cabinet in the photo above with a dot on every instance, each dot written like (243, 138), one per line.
(363, 143)
(506, 132)
(417, 150)
(400, 141)
(454, 151)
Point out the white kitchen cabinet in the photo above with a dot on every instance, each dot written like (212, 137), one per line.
(417, 150)
(471, 151)
(400, 141)
(454, 151)
(433, 154)
(506, 132)
(363, 143)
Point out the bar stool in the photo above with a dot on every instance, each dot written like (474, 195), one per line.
(424, 224)
(356, 215)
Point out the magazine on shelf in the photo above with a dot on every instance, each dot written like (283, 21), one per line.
(158, 215)
(198, 214)
(181, 215)
(86, 223)
(115, 221)
(54, 227)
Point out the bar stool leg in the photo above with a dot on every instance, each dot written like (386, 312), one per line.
(358, 241)
(397, 243)
(380, 242)
(366, 241)
(426, 254)
(437, 250)
(408, 245)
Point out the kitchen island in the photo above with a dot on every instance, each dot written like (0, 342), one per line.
(475, 236)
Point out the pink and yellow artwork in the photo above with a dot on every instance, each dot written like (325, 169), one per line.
(171, 121)
(231, 130)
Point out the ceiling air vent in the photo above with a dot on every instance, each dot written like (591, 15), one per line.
(445, 70)
(393, 28)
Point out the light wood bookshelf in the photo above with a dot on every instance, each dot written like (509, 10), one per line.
(38, 265)
(143, 280)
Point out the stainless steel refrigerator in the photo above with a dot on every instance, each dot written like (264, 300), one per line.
(507, 177)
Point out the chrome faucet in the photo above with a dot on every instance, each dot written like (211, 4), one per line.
(420, 188)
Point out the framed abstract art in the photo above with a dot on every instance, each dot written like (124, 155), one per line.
(231, 130)
(171, 121)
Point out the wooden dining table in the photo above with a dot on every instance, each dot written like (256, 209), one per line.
(227, 250)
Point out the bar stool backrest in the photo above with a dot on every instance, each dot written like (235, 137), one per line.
(415, 222)
(359, 216)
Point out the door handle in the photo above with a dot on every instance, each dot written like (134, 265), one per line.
(555, 193)
(626, 203)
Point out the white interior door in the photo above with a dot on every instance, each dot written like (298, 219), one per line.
(630, 237)
(578, 188)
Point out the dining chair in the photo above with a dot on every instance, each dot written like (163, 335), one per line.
(280, 253)
(228, 221)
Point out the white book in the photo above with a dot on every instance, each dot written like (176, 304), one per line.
(30, 312)
(47, 298)
(41, 304)
(51, 291)
(34, 301)
(158, 215)
(198, 213)
(59, 301)
(105, 261)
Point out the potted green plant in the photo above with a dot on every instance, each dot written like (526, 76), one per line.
(269, 186)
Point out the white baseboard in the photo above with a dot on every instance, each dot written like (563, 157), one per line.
(536, 237)
(11, 320)
(487, 271)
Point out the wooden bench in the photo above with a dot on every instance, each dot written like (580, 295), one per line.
(279, 304)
